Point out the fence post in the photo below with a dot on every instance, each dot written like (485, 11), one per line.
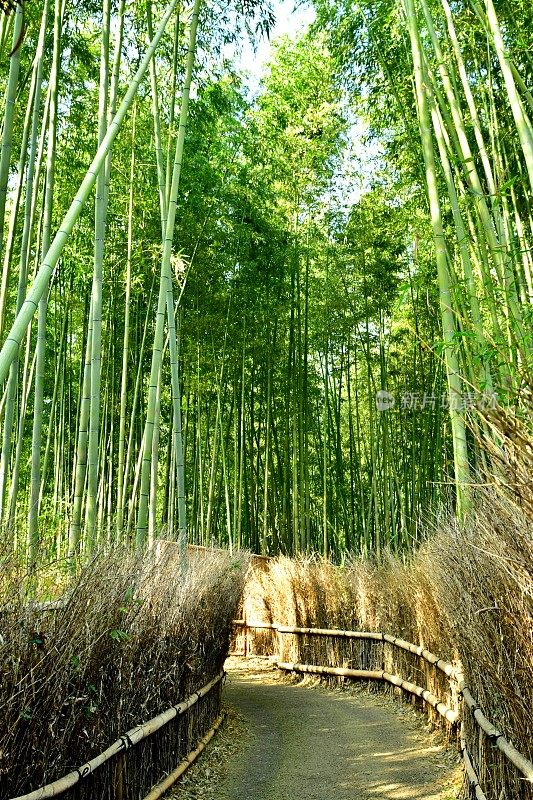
(190, 729)
(119, 776)
(279, 635)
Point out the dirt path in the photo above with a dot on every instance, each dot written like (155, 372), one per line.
(309, 743)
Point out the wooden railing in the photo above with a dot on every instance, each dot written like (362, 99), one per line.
(165, 737)
(459, 702)
(107, 776)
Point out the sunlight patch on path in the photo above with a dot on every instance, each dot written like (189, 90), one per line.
(308, 743)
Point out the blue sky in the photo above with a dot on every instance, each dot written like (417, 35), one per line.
(293, 17)
(289, 20)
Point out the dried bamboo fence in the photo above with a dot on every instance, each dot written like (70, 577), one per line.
(437, 685)
(142, 762)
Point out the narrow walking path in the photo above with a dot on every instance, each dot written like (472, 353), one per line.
(309, 743)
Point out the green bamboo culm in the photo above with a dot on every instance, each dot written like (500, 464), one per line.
(33, 514)
(9, 115)
(28, 171)
(100, 211)
(164, 180)
(165, 277)
(126, 343)
(11, 345)
(523, 123)
(458, 428)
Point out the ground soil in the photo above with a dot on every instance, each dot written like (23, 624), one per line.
(287, 741)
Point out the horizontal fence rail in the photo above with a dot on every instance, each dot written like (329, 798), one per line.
(377, 675)
(455, 676)
(159, 790)
(120, 747)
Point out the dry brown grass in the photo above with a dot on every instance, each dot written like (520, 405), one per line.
(466, 595)
(133, 638)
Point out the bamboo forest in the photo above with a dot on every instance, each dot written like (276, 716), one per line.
(266, 366)
(196, 320)
(201, 296)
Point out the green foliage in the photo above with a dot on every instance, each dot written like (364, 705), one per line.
(305, 274)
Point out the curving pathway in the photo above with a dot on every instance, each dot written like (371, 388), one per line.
(308, 743)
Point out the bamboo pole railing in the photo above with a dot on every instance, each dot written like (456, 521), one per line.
(418, 650)
(456, 678)
(159, 790)
(380, 675)
(124, 743)
(471, 773)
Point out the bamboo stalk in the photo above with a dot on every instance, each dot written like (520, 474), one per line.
(449, 326)
(523, 124)
(9, 113)
(100, 214)
(126, 344)
(163, 180)
(35, 481)
(10, 348)
(165, 278)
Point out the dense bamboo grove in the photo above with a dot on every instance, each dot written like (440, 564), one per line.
(204, 292)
